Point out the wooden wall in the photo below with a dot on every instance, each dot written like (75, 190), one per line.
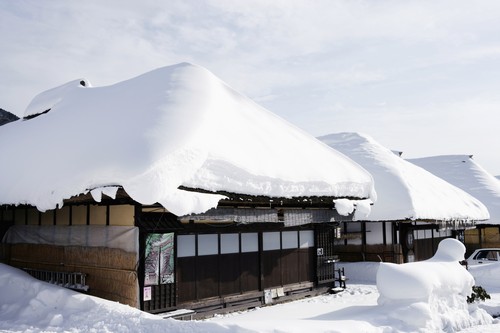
(482, 237)
(110, 273)
(242, 262)
(119, 215)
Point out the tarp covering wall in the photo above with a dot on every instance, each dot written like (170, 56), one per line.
(118, 237)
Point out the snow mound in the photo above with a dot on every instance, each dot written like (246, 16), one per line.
(174, 126)
(404, 190)
(431, 294)
(29, 305)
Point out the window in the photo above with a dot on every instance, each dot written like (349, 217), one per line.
(249, 242)
(306, 238)
(208, 245)
(271, 241)
(229, 243)
(290, 240)
(186, 246)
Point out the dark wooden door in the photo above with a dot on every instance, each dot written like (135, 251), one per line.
(325, 255)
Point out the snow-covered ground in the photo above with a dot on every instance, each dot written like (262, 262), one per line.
(354, 310)
(28, 305)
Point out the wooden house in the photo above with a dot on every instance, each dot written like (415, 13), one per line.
(197, 198)
(145, 256)
(414, 211)
(464, 172)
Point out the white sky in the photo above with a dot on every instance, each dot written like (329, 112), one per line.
(421, 77)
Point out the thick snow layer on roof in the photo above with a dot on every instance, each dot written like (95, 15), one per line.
(177, 125)
(462, 171)
(404, 190)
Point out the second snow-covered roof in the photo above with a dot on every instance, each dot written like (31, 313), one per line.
(404, 190)
(462, 171)
(177, 125)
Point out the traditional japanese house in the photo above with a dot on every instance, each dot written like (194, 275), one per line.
(464, 172)
(171, 190)
(415, 209)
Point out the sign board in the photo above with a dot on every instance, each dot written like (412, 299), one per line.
(268, 296)
(319, 251)
(159, 259)
(147, 293)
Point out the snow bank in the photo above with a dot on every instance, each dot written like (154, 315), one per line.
(360, 272)
(431, 294)
(176, 125)
(486, 275)
(404, 190)
(29, 305)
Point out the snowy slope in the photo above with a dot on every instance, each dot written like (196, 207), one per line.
(176, 125)
(462, 171)
(404, 190)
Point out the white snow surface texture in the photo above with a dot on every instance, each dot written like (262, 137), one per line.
(29, 305)
(404, 190)
(462, 171)
(173, 126)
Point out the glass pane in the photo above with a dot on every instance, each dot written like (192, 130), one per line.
(271, 241)
(208, 245)
(229, 243)
(306, 238)
(249, 242)
(186, 246)
(290, 239)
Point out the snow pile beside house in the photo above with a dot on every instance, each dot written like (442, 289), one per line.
(174, 126)
(431, 294)
(29, 305)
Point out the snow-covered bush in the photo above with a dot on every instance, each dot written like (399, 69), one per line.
(478, 294)
(431, 295)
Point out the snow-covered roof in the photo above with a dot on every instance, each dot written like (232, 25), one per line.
(404, 190)
(462, 171)
(173, 126)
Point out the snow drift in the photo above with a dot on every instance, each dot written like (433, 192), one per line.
(173, 126)
(404, 190)
(29, 305)
(431, 294)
